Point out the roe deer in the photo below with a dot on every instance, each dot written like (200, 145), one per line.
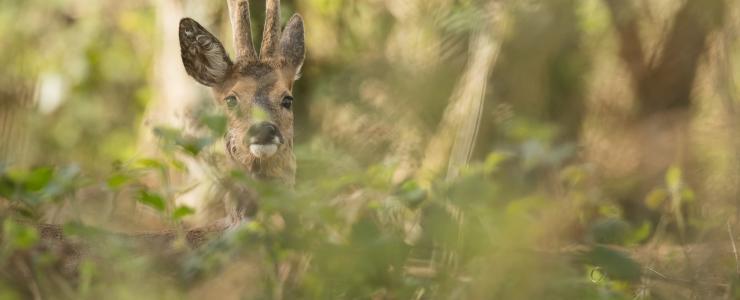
(256, 93)
(255, 90)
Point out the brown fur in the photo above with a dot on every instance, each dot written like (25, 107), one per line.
(262, 84)
(257, 81)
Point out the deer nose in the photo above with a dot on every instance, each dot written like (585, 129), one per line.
(264, 133)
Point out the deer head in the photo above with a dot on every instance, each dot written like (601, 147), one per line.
(255, 90)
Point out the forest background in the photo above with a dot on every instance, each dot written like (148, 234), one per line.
(447, 149)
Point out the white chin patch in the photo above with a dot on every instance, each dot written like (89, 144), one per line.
(263, 151)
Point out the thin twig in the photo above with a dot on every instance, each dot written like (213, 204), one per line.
(682, 282)
(734, 247)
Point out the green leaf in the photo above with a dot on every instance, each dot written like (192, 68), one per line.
(616, 264)
(152, 200)
(494, 160)
(179, 165)
(610, 210)
(168, 134)
(259, 114)
(19, 236)
(194, 145)
(411, 194)
(38, 178)
(150, 163)
(118, 180)
(182, 211)
(573, 175)
(673, 178)
(215, 122)
(238, 175)
(640, 234)
(655, 198)
(87, 272)
(610, 231)
(687, 194)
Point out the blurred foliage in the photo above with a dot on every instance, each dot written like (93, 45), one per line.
(539, 213)
(91, 62)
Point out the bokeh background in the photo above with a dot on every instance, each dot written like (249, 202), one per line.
(447, 149)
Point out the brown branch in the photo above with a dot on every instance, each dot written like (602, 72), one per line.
(625, 20)
(667, 84)
(670, 82)
(195, 237)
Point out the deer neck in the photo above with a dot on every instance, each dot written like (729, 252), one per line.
(279, 168)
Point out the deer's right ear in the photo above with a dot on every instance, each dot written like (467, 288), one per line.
(203, 55)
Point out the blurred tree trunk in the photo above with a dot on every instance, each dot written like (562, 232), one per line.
(539, 77)
(176, 95)
(16, 100)
(451, 147)
(667, 82)
(663, 86)
(174, 91)
(726, 85)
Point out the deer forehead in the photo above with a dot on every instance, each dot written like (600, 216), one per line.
(256, 82)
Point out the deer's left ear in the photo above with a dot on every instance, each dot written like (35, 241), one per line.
(292, 45)
(203, 55)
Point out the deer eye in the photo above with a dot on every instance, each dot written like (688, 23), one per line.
(231, 101)
(287, 102)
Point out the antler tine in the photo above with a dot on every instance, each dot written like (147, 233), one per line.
(271, 34)
(242, 29)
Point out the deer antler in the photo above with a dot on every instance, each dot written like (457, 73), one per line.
(271, 34)
(242, 29)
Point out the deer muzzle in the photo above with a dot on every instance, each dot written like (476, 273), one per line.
(264, 139)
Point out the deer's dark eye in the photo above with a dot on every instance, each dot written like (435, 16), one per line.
(287, 102)
(231, 101)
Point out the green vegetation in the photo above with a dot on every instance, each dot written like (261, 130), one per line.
(604, 164)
